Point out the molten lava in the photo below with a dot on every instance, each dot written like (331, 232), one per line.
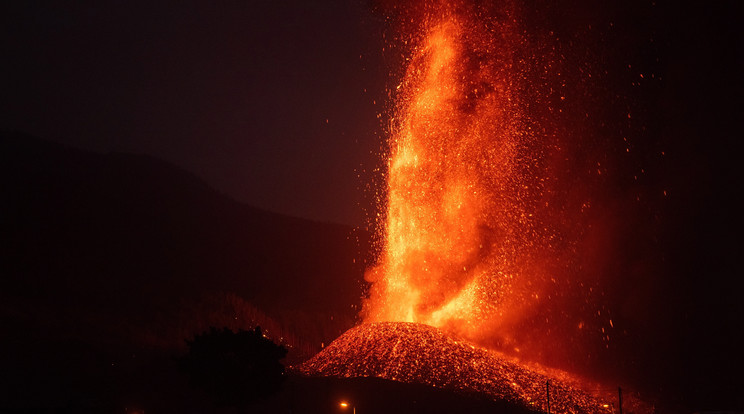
(465, 235)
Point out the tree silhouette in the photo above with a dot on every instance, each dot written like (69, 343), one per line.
(234, 369)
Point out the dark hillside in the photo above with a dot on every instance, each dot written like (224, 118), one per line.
(120, 254)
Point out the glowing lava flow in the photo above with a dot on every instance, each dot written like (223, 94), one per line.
(416, 353)
(463, 239)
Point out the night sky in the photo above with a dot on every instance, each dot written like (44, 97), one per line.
(269, 102)
(277, 104)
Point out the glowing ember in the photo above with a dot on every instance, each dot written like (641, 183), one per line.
(465, 240)
(416, 353)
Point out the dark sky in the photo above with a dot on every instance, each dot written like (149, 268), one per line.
(265, 101)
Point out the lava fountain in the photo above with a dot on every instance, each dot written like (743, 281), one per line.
(468, 238)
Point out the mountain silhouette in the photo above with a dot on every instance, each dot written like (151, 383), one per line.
(123, 252)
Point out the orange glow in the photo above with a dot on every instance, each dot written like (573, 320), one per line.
(416, 353)
(478, 282)
(343, 404)
(463, 237)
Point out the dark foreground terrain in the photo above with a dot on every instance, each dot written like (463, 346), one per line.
(156, 390)
(375, 395)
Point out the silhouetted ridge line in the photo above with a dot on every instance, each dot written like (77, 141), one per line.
(122, 242)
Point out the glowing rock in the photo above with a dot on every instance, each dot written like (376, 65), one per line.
(416, 353)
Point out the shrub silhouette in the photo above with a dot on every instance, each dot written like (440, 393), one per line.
(234, 369)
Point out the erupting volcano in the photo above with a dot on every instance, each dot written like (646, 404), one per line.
(479, 235)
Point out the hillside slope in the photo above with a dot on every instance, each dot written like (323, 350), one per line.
(122, 254)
